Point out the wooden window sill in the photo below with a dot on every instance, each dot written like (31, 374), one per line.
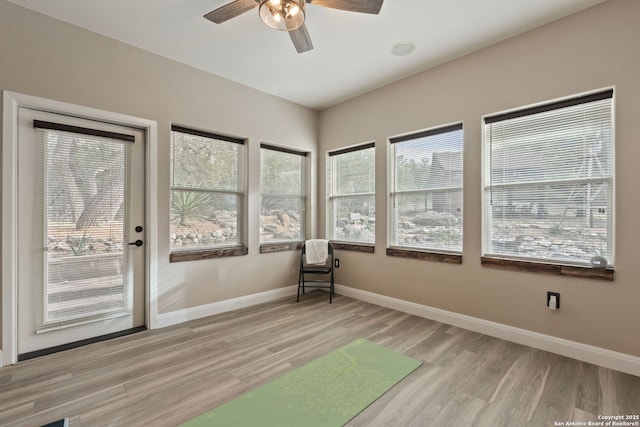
(180, 256)
(267, 248)
(556, 269)
(427, 256)
(356, 247)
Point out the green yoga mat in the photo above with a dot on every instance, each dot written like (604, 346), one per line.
(328, 391)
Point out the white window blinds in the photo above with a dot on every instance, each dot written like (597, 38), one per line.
(548, 182)
(352, 194)
(426, 190)
(282, 194)
(206, 190)
(84, 269)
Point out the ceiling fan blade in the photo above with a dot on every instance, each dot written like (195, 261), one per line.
(300, 38)
(362, 6)
(230, 10)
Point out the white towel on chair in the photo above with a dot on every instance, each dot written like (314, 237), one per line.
(317, 251)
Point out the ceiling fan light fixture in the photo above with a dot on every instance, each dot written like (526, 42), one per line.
(283, 15)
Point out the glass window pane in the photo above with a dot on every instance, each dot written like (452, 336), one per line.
(426, 195)
(428, 220)
(206, 199)
(281, 218)
(352, 195)
(549, 184)
(281, 173)
(283, 200)
(84, 208)
(567, 222)
(205, 163)
(203, 219)
(354, 172)
(355, 219)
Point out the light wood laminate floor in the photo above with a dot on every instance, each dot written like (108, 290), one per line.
(165, 377)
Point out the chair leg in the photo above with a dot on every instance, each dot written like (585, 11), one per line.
(299, 284)
(331, 292)
(331, 288)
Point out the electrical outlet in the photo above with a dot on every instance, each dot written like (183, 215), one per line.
(551, 296)
(336, 262)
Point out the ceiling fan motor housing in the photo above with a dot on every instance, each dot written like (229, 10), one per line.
(284, 15)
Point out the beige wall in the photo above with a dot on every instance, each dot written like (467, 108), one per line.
(593, 49)
(50, 59)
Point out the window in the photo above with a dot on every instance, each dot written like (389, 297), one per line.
(282, 194)
(426, 190)
(206, 190)
(352, 194)
(548, 184)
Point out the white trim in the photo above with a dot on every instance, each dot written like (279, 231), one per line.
(587, 353)
(11, 102)
(193, 313)
(9, 222)
(151, 217)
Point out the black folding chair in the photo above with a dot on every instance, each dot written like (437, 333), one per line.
(316, 270)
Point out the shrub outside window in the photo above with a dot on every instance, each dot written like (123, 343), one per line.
(206, 190)
(352, 194)
(282, 194)
(548, 182)
(426, 190)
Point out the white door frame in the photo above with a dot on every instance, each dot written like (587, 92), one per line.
(11, 102)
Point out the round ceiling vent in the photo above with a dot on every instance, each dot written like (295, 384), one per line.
(403, 48)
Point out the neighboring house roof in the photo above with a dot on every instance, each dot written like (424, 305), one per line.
(448, 161)
(446, 169)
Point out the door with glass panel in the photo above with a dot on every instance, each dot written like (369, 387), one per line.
(81, 251)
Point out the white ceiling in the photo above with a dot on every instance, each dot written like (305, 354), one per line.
(351, 52)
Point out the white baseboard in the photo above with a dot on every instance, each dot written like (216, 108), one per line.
(180, 316)
(587, 353)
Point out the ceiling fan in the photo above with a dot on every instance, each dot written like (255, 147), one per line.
(288, 15)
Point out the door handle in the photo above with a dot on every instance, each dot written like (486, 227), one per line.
(137, 243)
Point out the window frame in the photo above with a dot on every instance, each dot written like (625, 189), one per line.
(213, 251)
(421, 252)
(284, 244)
(539, 264)
(333, 197)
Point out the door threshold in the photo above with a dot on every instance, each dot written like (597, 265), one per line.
(69, 346)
